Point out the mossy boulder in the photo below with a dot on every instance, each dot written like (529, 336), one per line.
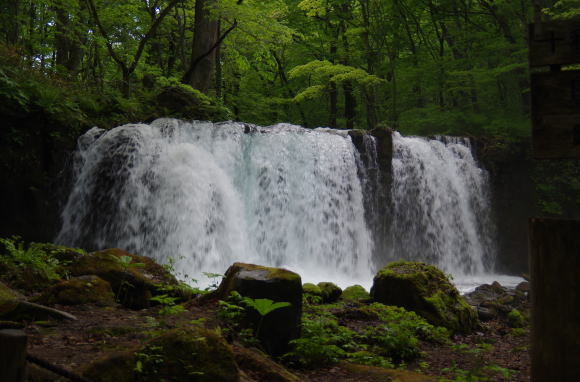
(134, 282)
(282, 325)
(312, 293)
(426, 290)
(88, 289)
(355, 293)
(9, 300)
(330, 292)
(14, 307)
(259, 367)
(179, 355)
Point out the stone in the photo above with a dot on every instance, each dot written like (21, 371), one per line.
(88, 289)
(179, 355)
(14, 307)
(312, 293)
(330, 292)
(426, 290)
(493, 301)
(355, 293)
(281, 326)
(133, 284)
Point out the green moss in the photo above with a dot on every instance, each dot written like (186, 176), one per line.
(426, 290)
(330, 291)
(516, 319)
(354, 293)
(83, 290)
(197, 354)
(8, 300)
(312, 289)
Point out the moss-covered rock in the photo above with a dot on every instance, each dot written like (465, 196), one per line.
(9, 300)
(330, 292)
(312, 293)
(494, 301)
(180, 355)
(80, 290)
(134, 282)
(281, 326)
(14, 307)
(259, 367)
(426, 290)
(355, 293)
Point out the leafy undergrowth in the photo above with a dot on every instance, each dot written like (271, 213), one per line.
(334, 336)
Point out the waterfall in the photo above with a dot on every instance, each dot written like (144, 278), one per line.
(440, 206)
(203, 195)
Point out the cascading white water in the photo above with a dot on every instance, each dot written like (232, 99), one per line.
(204, 196)
(441, 211)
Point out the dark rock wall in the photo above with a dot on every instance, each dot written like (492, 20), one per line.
(514, 201)
(33, 155)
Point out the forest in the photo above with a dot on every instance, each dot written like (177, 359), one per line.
(419, 66)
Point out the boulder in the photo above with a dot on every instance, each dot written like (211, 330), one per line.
(312, 293)
(14, 307)
(179, 355)
(355, 293)
(330, 292)
(134, 282)
(79, 290)
(493, 301)
(424, 289)
(282, 325)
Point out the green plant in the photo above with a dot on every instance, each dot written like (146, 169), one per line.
(126, 263)
(147, 360)
(263, 306)
(481, 373)
(30, 263)
(168, 304)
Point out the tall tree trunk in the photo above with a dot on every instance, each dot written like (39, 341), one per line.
(10, 12)
(205, 37)
(218, 66)
(61, 37)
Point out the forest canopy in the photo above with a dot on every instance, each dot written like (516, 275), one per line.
(420, 66)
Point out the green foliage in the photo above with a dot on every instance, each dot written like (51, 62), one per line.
(264, 305)
(320, 342)
(516, 319)
(168, 304)
(481, 373)
(32, 265)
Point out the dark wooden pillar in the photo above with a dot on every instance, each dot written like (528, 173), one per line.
(12, 355)
(555, 292)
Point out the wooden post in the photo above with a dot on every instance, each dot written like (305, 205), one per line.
(555, 293)
(12, 355)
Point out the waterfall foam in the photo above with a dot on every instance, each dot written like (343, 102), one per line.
(203, 196)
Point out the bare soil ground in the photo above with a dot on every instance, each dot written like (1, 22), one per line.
(74, 344)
